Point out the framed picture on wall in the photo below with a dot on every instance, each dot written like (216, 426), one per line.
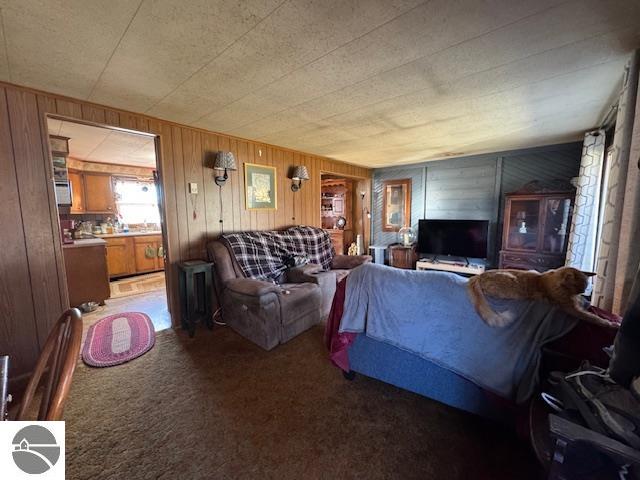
(396, 204)
(260, 187)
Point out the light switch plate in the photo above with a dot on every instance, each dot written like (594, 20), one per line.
(193, 188)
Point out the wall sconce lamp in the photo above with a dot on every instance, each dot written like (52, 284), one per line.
(224, 161)
(299, 174)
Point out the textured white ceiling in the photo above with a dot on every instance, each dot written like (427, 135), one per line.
(95, 144)
(373, 82)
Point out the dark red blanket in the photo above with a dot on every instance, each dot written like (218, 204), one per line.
(338, 343)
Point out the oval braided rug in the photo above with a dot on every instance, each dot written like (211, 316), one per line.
(117, 339)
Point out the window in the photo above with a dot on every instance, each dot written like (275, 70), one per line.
(137, 201)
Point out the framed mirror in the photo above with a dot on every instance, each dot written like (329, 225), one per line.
(396, 204)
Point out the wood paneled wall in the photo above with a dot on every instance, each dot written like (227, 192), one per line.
(32, 279)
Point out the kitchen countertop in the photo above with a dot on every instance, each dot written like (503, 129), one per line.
(128, 234)
(87, 242)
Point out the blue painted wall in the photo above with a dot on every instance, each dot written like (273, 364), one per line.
(473, 187)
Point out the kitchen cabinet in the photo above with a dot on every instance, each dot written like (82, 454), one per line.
(130, 254)
(59, 145)
(120, 256)
(76, 183)
(146, 257)
(148, 253)
(98, 193)
(85, 264)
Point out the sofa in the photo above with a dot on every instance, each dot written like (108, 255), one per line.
(271, 312)
(561, 348)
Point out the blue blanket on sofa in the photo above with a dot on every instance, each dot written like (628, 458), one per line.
(429, 314)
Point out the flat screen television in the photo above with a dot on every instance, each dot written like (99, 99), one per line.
(459, 238)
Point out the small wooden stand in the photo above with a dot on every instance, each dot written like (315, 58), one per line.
(196, 290)
(401, 256)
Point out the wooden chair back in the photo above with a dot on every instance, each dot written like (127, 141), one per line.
(55, 368)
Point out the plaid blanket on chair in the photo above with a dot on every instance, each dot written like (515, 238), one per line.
(266, 255)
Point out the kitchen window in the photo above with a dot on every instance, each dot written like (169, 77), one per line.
(137, 201)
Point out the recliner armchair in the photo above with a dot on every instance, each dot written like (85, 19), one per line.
(272, 313)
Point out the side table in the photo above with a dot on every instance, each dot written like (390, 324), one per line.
(401, 256)
(196, 290)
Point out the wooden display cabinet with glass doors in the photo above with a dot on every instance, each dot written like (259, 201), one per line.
(536, 230)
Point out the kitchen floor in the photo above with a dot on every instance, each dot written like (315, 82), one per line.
(153, 303)
(136, 285)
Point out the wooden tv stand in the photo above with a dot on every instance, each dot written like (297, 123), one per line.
(455, 267)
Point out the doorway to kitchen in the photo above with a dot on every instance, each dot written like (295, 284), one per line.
(110, 211)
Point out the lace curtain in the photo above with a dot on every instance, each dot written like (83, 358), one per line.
(581, 252)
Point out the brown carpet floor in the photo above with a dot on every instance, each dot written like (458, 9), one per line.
(218, 407)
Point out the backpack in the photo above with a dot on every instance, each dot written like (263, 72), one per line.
(591, 398)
